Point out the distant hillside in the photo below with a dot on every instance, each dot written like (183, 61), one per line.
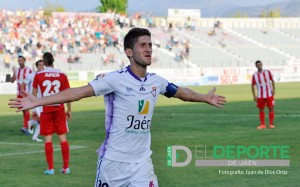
(208, 8)
(287, 9)
(216, 8)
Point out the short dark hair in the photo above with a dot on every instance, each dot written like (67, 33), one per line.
(37, 62)
(133, 35)
(20, 56)
(258, 62)
(48, 59)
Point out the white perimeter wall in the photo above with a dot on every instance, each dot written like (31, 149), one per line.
(190, 76)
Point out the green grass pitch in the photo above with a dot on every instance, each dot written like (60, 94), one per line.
(22, 161)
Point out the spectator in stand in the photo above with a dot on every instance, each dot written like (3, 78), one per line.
(187, 46)
(7, 59)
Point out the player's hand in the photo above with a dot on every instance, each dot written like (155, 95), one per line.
(273, 92)
(215, 100)
(254, 98)
(68, 114)
(24, 103)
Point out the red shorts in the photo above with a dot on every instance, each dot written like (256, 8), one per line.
(262, 102)
(53, 122)
(19, 96)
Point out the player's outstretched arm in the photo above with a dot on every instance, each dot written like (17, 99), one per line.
(68, 95)
(211, 98)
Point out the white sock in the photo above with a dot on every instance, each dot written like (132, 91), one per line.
(37, 131)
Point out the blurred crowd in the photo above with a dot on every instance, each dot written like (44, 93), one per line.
(31, 33)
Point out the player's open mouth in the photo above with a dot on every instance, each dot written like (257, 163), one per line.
(148, 56)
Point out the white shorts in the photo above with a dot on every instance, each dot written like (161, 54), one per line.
(122, 174)
(38, 110)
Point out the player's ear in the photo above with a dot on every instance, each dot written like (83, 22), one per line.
(128, 52)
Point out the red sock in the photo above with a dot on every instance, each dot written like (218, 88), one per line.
(271, 117)
(49, 154)
(26, 117)
(65, 153)
(262, 117)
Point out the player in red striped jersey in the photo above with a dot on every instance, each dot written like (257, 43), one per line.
(19, 76)
(265, 85)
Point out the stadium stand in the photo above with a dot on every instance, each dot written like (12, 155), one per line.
(274, 39)
(93, 41)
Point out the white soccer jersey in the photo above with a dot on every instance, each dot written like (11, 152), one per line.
(29, 81)
(129, 107)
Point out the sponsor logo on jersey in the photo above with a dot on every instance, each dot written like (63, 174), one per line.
(129, 92)
(139, 124)
(144, 106)
(142, 88)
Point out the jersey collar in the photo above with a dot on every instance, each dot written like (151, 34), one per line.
(134, 76)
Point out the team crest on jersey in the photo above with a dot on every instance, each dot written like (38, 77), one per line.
(144, 106)
(153, 92)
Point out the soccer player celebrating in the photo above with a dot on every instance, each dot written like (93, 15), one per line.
(35, 121)
(265, 85)
(20, 75)
(130, 95)
(53, 118)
